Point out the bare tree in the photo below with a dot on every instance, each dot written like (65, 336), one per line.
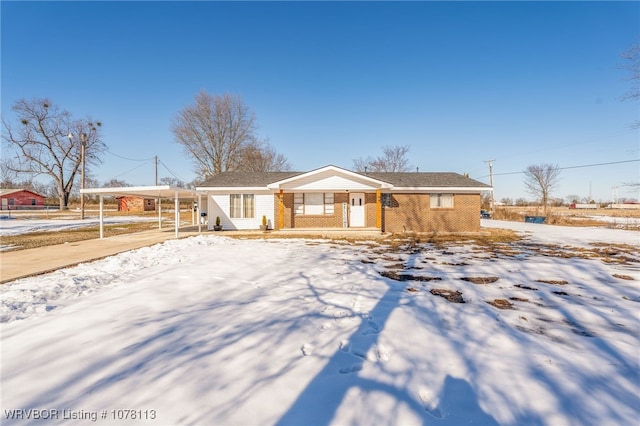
(393, 159)
(115, 183)
(219, 134)
(540, 180)
(506, 201)
(172, 181)
(262, 157)
(48, 141)
(632, 65)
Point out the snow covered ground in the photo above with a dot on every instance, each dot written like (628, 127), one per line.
(213, 330)
(15, 226)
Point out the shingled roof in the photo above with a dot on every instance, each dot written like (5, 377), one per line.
(403, 180)
(427, 179)
(246, 179)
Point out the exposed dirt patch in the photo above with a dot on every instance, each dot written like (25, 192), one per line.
(480, 280)
(519, 299)
(501, 303)
(560, 293)
(452, 296)
(525, 287)
(624, 277)
(554, 282)
(412, 290)
(407, 277)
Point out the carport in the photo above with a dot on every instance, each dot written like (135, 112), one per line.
(175, 193)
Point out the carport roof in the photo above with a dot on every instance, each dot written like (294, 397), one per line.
(161, 191)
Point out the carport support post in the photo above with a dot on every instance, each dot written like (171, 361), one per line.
(177, 212)
(199, 215)
(160, 213)
(101, 216)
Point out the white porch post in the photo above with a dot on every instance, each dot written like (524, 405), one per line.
(159, 213)
(177, 212)
(101, 216)
(199, 213)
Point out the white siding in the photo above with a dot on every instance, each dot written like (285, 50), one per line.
(219, 204)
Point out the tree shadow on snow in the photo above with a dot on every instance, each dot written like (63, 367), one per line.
(330, 388)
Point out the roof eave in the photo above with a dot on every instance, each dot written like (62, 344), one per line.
(231, 188)
(458, 189)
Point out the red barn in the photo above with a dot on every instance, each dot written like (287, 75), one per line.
(17, 199)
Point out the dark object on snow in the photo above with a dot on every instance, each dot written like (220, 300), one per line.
(535, 219)
(451, 295)
(485, 214)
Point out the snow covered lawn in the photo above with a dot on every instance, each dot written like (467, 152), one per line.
(13, 226)
(212, 330)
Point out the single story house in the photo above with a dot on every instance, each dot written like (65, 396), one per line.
(135, 204)
(14, 199)
(334, 198)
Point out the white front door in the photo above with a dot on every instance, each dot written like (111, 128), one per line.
(356, 209)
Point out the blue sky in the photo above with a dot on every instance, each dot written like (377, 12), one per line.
(460, 82)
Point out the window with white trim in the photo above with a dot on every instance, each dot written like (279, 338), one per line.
(441, 201)
(313, 203)
(242, 206)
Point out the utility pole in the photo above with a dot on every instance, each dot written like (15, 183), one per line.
(83, 141)
(155, 158)
(491, 183)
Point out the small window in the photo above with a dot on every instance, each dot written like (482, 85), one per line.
(242, 206)
(12, 201)
(441, 201)
(33, 201)
(328, 203)
(313, 203)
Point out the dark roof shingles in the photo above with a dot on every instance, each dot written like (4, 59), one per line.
(407, 179)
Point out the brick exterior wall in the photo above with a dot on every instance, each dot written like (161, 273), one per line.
(408, 212)
(136, 204)
(412, 212)
(311, 221)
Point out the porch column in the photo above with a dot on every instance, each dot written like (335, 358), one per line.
(198, 217)
(176, 204)
(101, 216)
(378, 209)
(281, 210)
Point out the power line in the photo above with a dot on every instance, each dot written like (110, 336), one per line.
(171, 171)
(125, 158)
(566, 168)
(581, 143)
(135, 168)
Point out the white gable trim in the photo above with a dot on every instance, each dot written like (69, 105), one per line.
(233, 189)
(330, 178)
